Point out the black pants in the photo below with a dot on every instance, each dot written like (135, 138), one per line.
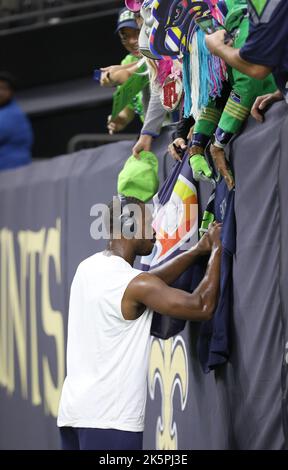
(99, 439)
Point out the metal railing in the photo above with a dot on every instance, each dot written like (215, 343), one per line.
(42, 13)
(85, 141)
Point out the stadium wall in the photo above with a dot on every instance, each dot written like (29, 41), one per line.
(44, 234)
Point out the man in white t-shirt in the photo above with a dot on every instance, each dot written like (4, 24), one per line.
(104, 394)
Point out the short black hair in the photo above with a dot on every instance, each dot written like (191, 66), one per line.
(109, 224)
(9, 79)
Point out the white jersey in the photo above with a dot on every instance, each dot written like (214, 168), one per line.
(107, 356)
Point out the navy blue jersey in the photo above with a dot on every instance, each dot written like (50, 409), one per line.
(267, 43)
(214, 336)
(173, 194)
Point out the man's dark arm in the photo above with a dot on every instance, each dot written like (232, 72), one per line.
(171, 270)
(150, 291)
(147, 289)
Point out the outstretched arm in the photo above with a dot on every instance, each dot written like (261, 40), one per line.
(117, 74)
(216, 45)
(154, 119)
(150, 291)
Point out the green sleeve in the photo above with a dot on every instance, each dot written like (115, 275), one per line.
(244, 90)
(239, 104)
(129, 59)
(208, 119)
(136, 104)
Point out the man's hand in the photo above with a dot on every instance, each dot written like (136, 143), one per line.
(204, 245)
(221, 164)
(262, 102)
(214, 233)
(210, 238)
(201, 169)
(216, 41)
(116, 125)
(106, 79)
(181, 144)
(144, 143)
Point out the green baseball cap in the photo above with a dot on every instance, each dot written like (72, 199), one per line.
(139, 177)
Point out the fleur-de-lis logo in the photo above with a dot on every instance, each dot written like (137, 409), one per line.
(168, 365)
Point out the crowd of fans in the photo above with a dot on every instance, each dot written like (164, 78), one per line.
(221, 75)
(238, 67)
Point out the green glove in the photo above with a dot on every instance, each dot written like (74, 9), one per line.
(200, 168)
(208, 218)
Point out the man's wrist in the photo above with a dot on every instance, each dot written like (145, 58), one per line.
(278, 95)
(196, 150)
(217, 145)
(217, 248)
(196, 251)
(110, 79)
(221, 50)
(149, 134)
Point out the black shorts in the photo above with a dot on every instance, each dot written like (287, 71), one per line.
(99, 439)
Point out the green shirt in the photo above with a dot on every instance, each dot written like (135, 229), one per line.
(137, 102)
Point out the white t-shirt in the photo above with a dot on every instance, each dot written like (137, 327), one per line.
(107, 356)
